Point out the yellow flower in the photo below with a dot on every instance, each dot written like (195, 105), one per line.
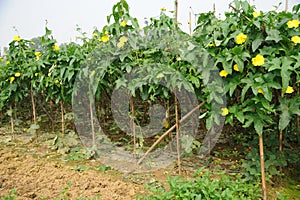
(225, 111)
(163, 9)
(95, 34)
(106, 32)
(1, 59)
(56, 81)
(241, 38)
(123, 39)
(236, 68)
(18, 74)
(293, 23)
(211, 44)
(49, 74)
(120, 45)
(56, 48)
(289, 90)
(37, 53)
(160, 75)
(36, 74)
(258, 60)
(260, 91)
(11, 79)
(296, 39)
(123, 23)
(17, 38)
(256, 14)
(8, 62)
(105, 38)
(223, 73)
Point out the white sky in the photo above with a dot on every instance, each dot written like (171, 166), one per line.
(29, 16)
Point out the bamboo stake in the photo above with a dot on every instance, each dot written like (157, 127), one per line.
(286, 5)
(176, 14)
(177, 136)
(12, 122)
(281, 133)
(190, 22)
(33, 110)
(262, 167)
(62, 117)
(132, 125)
(169, 131)
(92, 120)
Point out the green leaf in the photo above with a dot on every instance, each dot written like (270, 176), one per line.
(273, 35)
(256, 43)
(258, 125)
(285, 73)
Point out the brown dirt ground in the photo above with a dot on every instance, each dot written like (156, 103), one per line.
(37, 177)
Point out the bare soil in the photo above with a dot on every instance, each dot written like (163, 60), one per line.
(35, 173)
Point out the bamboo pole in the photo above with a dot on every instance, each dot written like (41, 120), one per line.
(133, 125)
(62, 117)
(262, 167)
(168, 131)
(177, 136)
(33, 110)
(12, 122)
(92, 120)
(190, 22)
(286, 5)
(176, 14)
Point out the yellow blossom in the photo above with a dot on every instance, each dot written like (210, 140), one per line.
(260, 91)
(289, 90)
(105, 38)
(258, 60)
(211, 44)
(296, 39)
(120, 45)
(1, 59)
(95, 34)
(225, 111)
(49, 74)
(106, 32)
(160, 75)
(163, 9)
(17, 38)
(241, 38)
(123, 39)
(236, 68)
(223, 73)
(293, 23)
(256, 14)
(123, 23)
(18, 74)
(11, 79)
(36, 74)
(56, 81)
(37, 53)
(8, 62)
(56, 48)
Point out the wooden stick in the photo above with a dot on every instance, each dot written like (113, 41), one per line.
(176, 14)
(262, 167)
(177, 136)
(247, 18)
(168, 131)
(62, 117)
(190, 22)
(132, 125)
(33, 110)
(12, 122)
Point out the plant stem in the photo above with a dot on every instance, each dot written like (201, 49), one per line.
(169, 131)
(262, 167)
(177, 136)
(92, 120)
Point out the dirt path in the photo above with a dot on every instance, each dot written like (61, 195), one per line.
(37, 177)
